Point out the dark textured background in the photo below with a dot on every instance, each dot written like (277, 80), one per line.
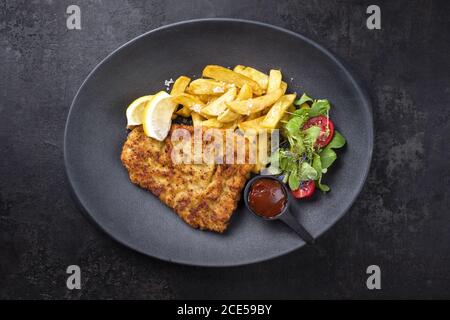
(400, 221)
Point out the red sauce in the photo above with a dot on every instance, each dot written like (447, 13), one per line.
(267, 197)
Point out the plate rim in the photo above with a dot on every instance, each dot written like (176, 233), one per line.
(359, 87)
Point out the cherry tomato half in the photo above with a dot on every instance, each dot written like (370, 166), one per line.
(305, 190)
(326, 129)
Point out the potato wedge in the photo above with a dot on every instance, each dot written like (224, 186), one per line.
(275, 78)
(180, 85)
(277, 111)
(218, 106)
(261, 78)
(247, 107)
(212, 123)
(208, 86)
(223, 74)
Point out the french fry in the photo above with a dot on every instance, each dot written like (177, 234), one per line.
(277, 111)
(254, 125)
(291, 108)
(184, 112)
(218, 106)
(197, 119)
(212, 99)
(260, 163)
(239, 68)
(228, 115)
(189, 101)
(205, 98)
(247, 107)
(180, 85)
(254, 115)
(258, 167)
(283, 86)
(223, 74)
(285, 118)
(251, 131)
(275, 78)
(261, 78)
(178, 88)
(208, 86)
(230, 125)
(245, 93)
(212, 123)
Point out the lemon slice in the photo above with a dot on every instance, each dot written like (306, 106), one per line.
(135, 111)
(157, 116)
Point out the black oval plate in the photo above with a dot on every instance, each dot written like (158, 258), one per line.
(95, 132)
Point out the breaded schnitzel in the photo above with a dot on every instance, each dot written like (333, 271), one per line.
(203, 195)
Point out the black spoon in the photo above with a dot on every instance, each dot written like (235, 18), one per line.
(285, 215)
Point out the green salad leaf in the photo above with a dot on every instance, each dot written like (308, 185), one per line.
(303, 160)
(317, 164)
(319, 107)
(311, 134)
(337, 142)
(294, 181)
(327, 157)
(307, 172)
(302, 113)
(304, 98)
(293, 126)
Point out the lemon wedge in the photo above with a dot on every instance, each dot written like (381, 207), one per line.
(135, 111)
(157, 116)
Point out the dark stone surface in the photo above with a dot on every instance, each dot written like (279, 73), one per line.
(400, 221)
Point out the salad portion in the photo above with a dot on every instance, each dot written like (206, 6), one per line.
(309, 148)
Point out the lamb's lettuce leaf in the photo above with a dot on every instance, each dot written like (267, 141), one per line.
(327, 157)
(319, 107)
(304, 98)
(337, 142)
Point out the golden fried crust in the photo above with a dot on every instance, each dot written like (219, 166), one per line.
(203, 195)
